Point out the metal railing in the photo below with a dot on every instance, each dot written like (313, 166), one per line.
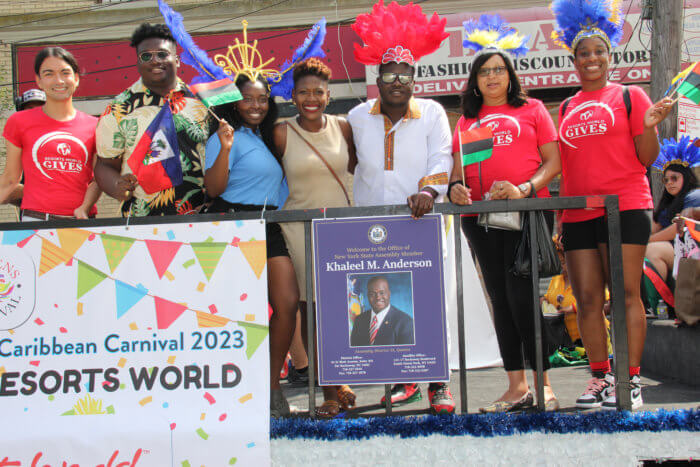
(609, 203)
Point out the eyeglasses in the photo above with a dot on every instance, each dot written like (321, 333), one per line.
(262, 100)
(404, 78)
(497, 70)
(671, 178)
(161, 55)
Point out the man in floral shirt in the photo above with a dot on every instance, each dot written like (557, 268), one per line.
(127, 117)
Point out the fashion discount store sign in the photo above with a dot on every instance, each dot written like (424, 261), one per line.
(546, 65)
(141, 345)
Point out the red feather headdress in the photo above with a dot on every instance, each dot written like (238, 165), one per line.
(397, 33)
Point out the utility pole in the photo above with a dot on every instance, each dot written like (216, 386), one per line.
(667, 31)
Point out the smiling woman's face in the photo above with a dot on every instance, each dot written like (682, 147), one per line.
(254, 105)
(592, 59)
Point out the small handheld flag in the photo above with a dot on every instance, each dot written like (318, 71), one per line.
(693, 229)
(222, 91)
(475, 145)
(690, 87)
(155, 160)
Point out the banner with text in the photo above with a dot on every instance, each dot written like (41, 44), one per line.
(380, 300)
(546, 65)
(139, 345)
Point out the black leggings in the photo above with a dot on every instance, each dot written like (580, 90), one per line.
(511, 296)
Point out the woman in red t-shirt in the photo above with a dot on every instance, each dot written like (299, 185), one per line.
(607, 138)
(525, 159)
(54, 145)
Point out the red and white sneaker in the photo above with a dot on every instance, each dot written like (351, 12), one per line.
(441, 400)
(402, 394)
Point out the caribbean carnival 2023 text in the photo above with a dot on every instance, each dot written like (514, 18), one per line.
(28, 382)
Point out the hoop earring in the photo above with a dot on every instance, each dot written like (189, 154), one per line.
(510, 86)
(476, 93)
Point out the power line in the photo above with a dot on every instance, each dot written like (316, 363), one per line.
(76, 11)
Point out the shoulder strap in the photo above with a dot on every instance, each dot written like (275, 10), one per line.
(323, 159)
(565, 105)
(627, 100)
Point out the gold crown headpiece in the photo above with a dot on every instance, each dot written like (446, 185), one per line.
(245, 58)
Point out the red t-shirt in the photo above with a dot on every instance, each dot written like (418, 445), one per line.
(597, 149)
(518, 132)
(56, 159)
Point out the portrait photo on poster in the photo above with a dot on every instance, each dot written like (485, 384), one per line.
(380, 309)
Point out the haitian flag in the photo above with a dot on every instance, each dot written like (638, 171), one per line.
(155, 160)
(690, 87)
(218, 92)
(475, 145)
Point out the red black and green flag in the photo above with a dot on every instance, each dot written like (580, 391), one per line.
(475, 145)
(218, 92)
(690, 87)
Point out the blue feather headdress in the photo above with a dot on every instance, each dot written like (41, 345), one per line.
(248, 61)
(683, 152)
(282, 83)
(579, 19)
(191, 54)
(491, 33)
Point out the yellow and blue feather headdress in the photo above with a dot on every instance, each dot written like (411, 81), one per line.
(579, 19)
(683, 152)
(491, 33)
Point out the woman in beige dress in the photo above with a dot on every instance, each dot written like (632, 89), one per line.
(314, 149)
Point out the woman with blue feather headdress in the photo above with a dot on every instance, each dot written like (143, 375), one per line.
(607, 136)
(242, 172)
(676, 161)
(525, 158)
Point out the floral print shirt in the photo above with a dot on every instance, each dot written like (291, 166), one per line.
(123, 123)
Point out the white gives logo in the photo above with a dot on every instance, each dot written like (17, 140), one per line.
(17, 287)
(63, 149)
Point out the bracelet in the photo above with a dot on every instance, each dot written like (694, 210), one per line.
(449, 188)
(426, 192)
(532, 189)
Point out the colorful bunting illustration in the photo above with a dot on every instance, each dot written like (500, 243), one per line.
(13, 237)
(255, 252)
(162, 253)
(208, 320)
(208, 254)
(167, 312)
(255, 335)
(475, 145)
(88, 278)
(51, 256)
(116, 248)
(127, 296)
(72, 239)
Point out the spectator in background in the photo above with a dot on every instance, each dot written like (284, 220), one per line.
(53, 145)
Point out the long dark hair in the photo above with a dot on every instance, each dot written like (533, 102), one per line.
(229, 113)
(674, 204)
(472, 101)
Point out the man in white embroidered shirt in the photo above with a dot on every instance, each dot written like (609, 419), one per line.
(403, 150)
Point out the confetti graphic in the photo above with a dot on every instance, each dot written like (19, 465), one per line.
(202, 434)
(209, 398)
(245, 398)
(146, 400)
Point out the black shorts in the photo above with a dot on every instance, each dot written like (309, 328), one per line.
(276, 246)
(635, 226)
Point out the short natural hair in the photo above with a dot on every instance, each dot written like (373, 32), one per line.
(147, 31)
(379, 278)
(312, 67)
(58, 52)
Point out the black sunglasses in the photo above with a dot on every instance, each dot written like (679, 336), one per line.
(404, 78)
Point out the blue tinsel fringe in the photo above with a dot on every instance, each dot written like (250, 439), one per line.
(485, 425)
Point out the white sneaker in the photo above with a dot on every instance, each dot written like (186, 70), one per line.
(597, 391)
(610, 403)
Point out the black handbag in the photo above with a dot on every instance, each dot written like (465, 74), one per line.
(547, 260)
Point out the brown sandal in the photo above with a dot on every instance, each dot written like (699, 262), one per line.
(329, 409)
(346, 397)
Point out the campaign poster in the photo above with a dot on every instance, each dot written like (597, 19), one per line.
(380, 300)
(144, 345)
